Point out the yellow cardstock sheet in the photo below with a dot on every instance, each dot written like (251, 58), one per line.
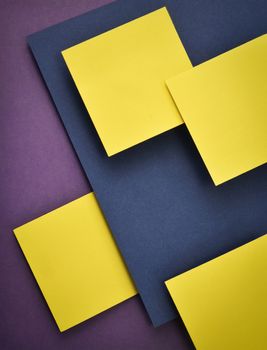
(223, 103)
(75, 261)
(223, 303)
(121, 78)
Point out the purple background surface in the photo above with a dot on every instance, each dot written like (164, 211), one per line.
(39, 172)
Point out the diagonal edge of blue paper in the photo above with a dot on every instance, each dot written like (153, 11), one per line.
(159, 201)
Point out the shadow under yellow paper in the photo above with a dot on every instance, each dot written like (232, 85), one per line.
(223, 303)
(121, 78)
(75, 261)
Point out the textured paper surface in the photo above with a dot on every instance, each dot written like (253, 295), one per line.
(223, 103)
(223, 302)
(121, 78)
(39, 173)
(75, 261)
(158, 197)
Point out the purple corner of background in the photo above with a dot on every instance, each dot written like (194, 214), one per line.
(39, 172)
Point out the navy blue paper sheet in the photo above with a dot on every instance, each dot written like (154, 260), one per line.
(158, 198)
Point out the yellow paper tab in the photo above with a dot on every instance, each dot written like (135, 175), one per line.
(223, 303)
(223, 103)
(121, 78)
(75, 261)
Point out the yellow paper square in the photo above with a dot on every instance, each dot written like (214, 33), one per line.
(223, 103)
(223, 303)
(75, 261)
(121, 78)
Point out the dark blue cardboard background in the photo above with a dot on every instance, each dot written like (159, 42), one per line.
(158, 198)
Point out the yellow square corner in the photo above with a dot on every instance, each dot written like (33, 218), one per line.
(75, 261)
(223, 302)
(121, 78)
(223, 104)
